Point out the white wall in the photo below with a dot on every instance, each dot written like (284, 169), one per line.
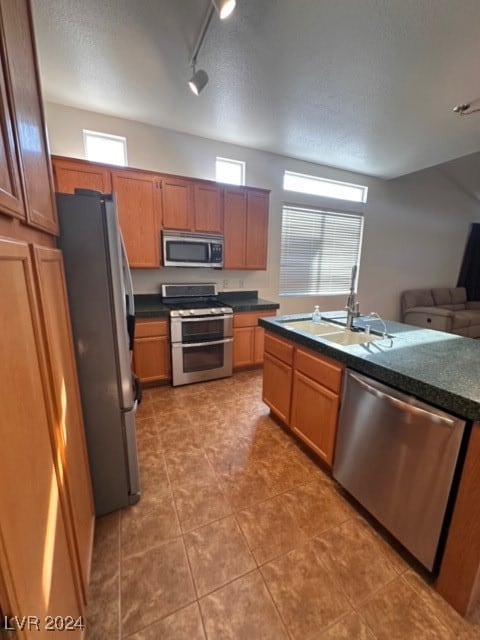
(415, 226)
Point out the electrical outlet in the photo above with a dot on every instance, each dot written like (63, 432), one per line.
(240, 284)
(226, 284)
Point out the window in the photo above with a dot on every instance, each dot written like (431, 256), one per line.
(323, 187)
(318, 251)
(231, 171)
(103, 147)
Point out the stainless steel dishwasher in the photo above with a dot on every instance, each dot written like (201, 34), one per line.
(397, 456)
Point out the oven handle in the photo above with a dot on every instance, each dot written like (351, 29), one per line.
(180, 319)
(186, 345)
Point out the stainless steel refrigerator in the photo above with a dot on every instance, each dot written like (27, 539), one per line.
(101, 306)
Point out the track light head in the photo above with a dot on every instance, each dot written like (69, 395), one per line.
(224, 7)
(198, 81)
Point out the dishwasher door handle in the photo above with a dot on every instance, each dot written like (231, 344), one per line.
(404, 406)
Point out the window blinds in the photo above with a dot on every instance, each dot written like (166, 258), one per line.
(318, 251)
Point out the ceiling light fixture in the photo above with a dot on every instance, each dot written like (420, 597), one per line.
(465, 109)
(224, 7)
(199, 79)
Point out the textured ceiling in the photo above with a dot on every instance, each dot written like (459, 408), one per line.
(364, 85)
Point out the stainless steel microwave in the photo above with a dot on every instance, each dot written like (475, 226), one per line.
(192, 250)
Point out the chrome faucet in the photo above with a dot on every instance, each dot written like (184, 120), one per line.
(352, 307)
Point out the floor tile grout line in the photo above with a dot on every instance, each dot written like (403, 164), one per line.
(181, 536)
(422, 596)
(284, 624)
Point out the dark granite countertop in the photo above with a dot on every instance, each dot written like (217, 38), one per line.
(440, 368)
(246, 301)
(149, 305)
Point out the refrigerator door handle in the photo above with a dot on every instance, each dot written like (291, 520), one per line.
(128, 278)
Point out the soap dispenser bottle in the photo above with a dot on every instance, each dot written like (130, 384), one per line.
(316, 315)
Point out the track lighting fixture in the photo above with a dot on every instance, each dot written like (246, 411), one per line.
(199, 79)
(224, 7)
(466, 108)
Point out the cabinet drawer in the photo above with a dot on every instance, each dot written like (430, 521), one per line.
(279, 348)
(319, 368)
(150, 328)
(250, 319)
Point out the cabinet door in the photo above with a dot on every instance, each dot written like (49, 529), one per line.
(243, 346)
(71, 174)
(277, 385)
(256, 231)
(208, 208)
(69, 432)
(235, 224)
(314, 415)
(36, 559)
(152, 358)
(259, 345)
(138, 206)
(28, 115)
(177, 204)
(11, 199)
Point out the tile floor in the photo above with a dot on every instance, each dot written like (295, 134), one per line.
(240, 535)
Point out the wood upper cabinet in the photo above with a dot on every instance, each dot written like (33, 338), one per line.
(151, 354)
(190, 205)
(37, 559)
(11, 198)
(177, 200)
(139, 205)
(235, 226)
(72, 174)
(68, 429)
(256, 230)
(208, 208)
(27, 112)
(245, 228)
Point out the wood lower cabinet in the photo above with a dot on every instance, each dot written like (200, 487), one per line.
(38, 562)
(139, 205)
(151, 355)
(310, 405)
(314, 415)
(72, 174)
(277, 376)
(317, 383)
(68, 432)
(248, 338)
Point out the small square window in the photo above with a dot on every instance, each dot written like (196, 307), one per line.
(230, 171)
(103, 147)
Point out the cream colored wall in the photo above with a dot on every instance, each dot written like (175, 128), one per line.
(415, 226)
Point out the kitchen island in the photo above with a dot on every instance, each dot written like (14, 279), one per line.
(438, 368)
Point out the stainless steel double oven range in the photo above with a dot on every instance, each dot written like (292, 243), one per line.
(201, 333)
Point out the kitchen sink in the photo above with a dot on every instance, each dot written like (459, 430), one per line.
(315, 328)
(332, 332)
(346, 337)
